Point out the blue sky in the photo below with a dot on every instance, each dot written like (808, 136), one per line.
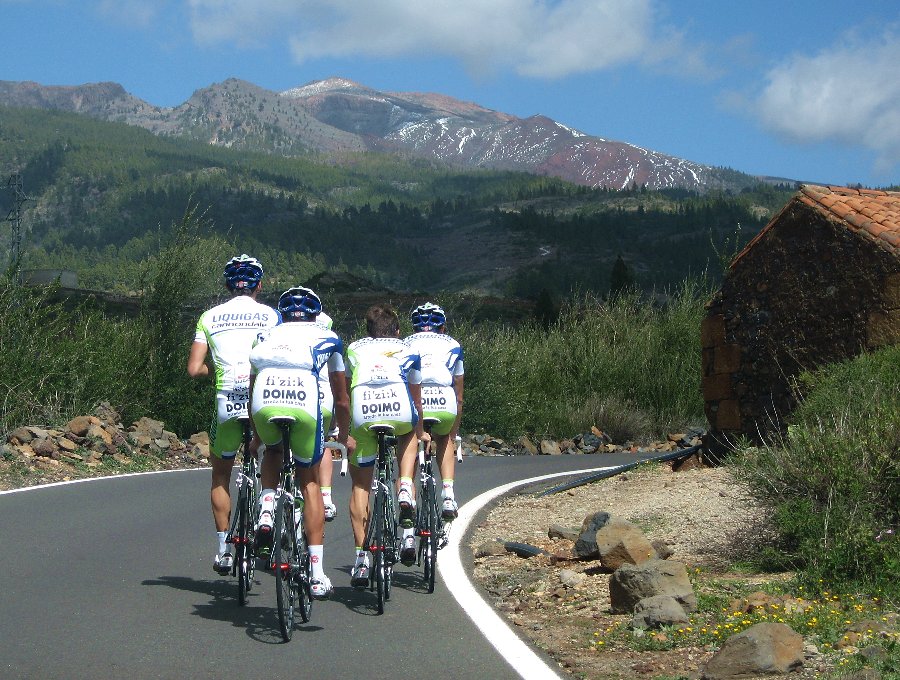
(803, 90)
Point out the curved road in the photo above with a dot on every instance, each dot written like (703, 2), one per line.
(114, 577)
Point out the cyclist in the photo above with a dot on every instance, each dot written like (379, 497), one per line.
(227, 332)
(284, 381)
(326, 467)
(442, 390)
(384, 387)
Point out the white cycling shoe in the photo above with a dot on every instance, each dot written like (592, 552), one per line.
(449, 510)
(223, 563)
(330, 511)
(320, 587)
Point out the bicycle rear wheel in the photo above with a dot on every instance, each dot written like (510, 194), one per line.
(391, 550)
(377, 547)
(243, 561)
(429, 540)
(285, 539)
(303, 574)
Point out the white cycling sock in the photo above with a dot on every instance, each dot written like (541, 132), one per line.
(362, 557)
(317, 560)
(220, 537)
(408, 532)
(447, 491)
(326, 494)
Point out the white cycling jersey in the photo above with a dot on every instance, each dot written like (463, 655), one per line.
(440, 355)
(230, 329)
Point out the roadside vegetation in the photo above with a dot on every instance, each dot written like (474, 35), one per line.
(628, 364)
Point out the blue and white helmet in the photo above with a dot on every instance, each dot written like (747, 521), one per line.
(299, 304)
(427, 317)
(243, 272)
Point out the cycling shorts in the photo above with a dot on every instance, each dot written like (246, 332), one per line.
(294, 401)
(226, 433)
(388, 404)
(439, 401)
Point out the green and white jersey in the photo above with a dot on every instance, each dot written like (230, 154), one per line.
(440, 355)
(380, 361)
(230, 329)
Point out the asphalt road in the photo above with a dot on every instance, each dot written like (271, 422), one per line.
(114, 577)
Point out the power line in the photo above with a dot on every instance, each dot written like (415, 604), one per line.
(15, 216)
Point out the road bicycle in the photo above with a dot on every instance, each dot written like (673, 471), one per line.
(382, 536)
(241, 533)
(290, 555)
(429, 523)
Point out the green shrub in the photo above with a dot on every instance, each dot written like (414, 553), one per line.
(626, 365)
(834, 478)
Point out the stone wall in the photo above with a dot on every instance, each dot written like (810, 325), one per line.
(806, 292)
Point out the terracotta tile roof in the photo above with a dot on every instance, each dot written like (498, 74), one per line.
(870, 213)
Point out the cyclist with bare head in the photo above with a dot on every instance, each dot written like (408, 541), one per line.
(284, 382)
(442, 390)
(384, 390)
(226, 333)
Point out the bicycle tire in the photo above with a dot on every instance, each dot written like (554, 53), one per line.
(285, 540)
(390, 544)
(241, 553)
(377, 547)
(430, 557)
(303, 575)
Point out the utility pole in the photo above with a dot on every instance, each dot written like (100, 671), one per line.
(15, 216)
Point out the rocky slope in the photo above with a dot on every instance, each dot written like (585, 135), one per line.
(338, 115)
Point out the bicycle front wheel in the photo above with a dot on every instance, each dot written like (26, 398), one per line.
(285, 549)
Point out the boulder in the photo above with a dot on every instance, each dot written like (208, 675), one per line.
(621, 542)
(560, 531)
(550, 448)
(586, 544)
(79, 425)
(761, 649)
(658, 611)
(631, 583)
(148, 427)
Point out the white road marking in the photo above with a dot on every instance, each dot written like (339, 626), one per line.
(517, 654)
(96, 479)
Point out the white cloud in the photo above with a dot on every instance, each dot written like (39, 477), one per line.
(848, 93)
(534, 38)
(131, 13)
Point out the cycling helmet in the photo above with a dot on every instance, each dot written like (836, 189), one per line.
(243, 272)
(427, 317)
(299, 303)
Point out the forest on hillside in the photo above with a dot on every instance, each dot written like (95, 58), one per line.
(103, 197)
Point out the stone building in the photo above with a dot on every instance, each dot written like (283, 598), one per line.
(820, 283)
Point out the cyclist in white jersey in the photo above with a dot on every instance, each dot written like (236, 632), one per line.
(384, 390)
(442, 390)
(284, 381)
(227, 332)
(326, 467)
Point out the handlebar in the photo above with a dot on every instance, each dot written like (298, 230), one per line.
(459, 453)
(343, 449)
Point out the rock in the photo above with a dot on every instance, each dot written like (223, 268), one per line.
(621, 542)
(21, 435)
(490, 549)
(79, 425)
(527, 446)
(66, 444)
(45, 448)
(147, 426)
(570, 578)
(761, 649)
(631, 583)
(586, 544)
(559, 531)
(199, 438)
(99, 433)
(550, 448)
(663, 550)
(658, 611)
(692, 462)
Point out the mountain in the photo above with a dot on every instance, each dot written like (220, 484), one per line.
(336, 115)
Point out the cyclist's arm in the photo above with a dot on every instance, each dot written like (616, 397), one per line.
(458, 389)
(196, 365)
(339, 390)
